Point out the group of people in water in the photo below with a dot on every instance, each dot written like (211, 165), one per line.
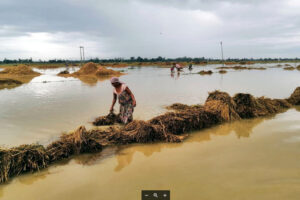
(179, 68)
(126, 99)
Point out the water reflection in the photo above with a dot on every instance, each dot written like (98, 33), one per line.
(175, 75)
(297, 108)
(1, 192)
(178, 74)
(89, 80)
(242, 129)
(125, 154)
(96, 158)
(23, 79)
(172, 74)
(26, 180)
(92, 80)
(31, 178)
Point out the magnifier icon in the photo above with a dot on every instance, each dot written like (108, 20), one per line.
(155, 195)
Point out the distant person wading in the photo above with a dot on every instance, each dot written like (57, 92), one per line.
(126, 100)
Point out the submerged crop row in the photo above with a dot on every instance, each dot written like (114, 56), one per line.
(169, 127)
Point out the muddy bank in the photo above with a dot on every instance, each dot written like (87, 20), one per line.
(15, 76)
(170, 127)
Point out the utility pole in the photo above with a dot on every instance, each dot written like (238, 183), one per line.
(83, 54)
(222, 53)
(82, 58)
(80, 54)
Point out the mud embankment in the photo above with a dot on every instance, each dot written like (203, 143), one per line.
(169, 127)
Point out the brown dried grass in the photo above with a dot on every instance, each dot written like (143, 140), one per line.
(110, 119)
(90, 73)
(20, 70)
(15, 76)
(222, 71)
(289, 68)
(294, 99)
(203, 72)
(230, 63)
(222, 105)
(238, 67)
(169, 127)
(63, 72)
(182, 107)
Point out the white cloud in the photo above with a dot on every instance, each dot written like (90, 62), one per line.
(50, 45)
(170, 28)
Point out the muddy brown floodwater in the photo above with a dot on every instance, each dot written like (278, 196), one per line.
(248, 159)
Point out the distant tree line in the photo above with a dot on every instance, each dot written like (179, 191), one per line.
(140, 60)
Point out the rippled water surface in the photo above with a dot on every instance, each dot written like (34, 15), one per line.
(249, 159)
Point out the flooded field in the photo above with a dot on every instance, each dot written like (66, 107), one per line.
(248, 159)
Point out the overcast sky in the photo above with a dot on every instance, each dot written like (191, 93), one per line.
(44, 29)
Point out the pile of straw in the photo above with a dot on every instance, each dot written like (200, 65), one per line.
(169, 127)
(203, 72)
(20, 70)
(295, 97)
(92, 70)
(289, 68)
(222, 71)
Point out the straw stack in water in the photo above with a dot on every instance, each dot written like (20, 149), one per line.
(169, 127)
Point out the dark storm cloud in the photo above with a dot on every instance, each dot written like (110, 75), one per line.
(171, 28)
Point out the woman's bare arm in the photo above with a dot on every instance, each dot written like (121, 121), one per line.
(113, 102)
(132, 96)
